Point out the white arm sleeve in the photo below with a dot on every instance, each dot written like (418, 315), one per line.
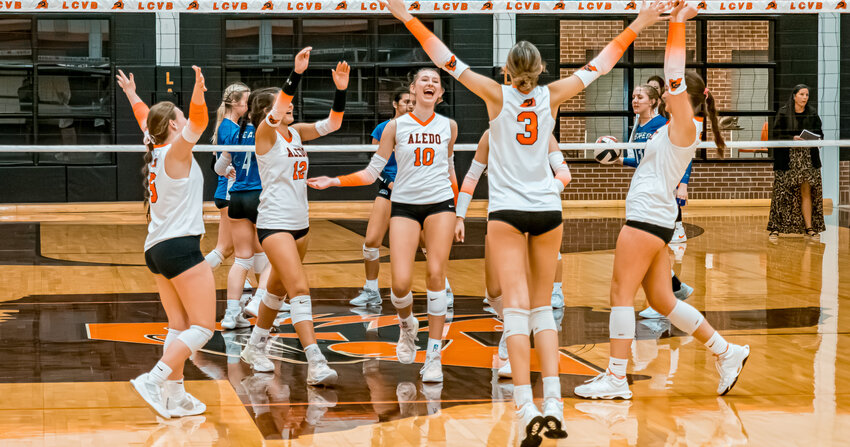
(222, 163)
(463, 201)
(376, 165)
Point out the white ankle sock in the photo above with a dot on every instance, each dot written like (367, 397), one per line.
(313, 353)
(233, 305)
(406, 322)
(371, 284)
(434, 347)
(522, 395)
(552, 387)
(618, 367)
(717, 344)
(259, 336)
(175, 388)
(160, 372)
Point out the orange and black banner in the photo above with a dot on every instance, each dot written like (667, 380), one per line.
(422, 7)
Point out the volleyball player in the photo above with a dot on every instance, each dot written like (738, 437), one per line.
(244, 200)
(493, 290)
(640, 257)
(283, 222)
(379, 219)
(233, 105)
(525, 199)
(174, 187)
(646, 102)
(423, 198)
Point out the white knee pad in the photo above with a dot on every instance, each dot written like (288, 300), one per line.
(245, 263)
(169, 338)
(261, 261)
(542, 319)
(685, 317)
(271, 301)
(302, 309)
(195, 337)
(371, 254)
(401, 303)
(437, 303)
(516, 321)
(621, 324)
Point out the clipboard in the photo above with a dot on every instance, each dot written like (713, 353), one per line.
(806, 135)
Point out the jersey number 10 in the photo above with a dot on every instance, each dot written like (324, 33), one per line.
(424, 157)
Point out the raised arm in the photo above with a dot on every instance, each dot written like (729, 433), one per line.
(364, 176)
(266, 133)
(564, 89)
(181, 149)
(682, 130)
(483, 87)
(140, 109)
(334, 121)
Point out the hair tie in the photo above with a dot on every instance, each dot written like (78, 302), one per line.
(147, 139)
(705, 92)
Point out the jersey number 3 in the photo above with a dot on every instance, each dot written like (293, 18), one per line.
(530, 135)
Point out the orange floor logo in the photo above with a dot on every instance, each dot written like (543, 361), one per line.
(344, 335)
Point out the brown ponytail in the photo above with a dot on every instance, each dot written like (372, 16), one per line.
(260, 103)
(159, 118)
(705, 106)
(146, 180)
(524, 65)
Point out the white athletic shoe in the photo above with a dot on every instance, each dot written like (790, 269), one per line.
(505, 371)
(257, 357)
(405, 349)
(432, 370)
(684, 292)
(650, 314)
(152, 393)
(557, 298)
(233, 319)
(450, 296)
(185, 405)
(367, 297)
(319, 373)
(503, 347)
(553, 415)
(604, 386)
(729, 365)
(679, 235)
(530, 424)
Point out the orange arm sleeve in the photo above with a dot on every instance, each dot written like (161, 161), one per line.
(140, 111)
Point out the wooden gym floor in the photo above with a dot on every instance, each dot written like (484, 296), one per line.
(79, 316)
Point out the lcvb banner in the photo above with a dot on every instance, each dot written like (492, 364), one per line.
(421, 7)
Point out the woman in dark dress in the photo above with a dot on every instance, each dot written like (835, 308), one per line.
(797, 204)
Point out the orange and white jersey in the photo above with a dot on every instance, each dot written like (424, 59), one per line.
(177, 205)
(520, 177)
(422, 155)
(652, 193)
(283, 173)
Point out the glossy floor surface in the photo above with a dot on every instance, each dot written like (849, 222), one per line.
(79, 316)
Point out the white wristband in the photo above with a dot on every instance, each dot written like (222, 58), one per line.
(463, 201)
(190, 136)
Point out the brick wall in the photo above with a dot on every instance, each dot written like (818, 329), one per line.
(709, 180)
(844, 183)
(729, 41)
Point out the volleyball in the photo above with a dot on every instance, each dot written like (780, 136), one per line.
(607, 156)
